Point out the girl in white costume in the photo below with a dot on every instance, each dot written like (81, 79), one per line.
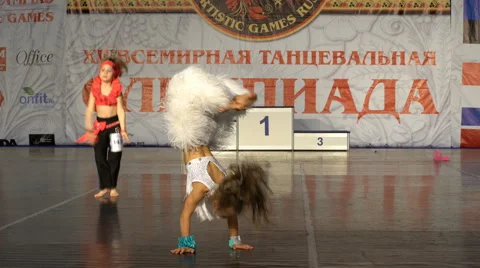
(200, 109)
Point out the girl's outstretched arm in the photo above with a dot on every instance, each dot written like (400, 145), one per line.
(89, 137)
(235, 241)
(121, 118)
(89, 111)
(186, 243)
(241, 102)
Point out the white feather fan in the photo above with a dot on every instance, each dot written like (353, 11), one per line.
(191, 109)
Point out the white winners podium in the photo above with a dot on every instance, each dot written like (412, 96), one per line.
(271, 129)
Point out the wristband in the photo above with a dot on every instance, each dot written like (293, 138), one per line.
(123, 131)
(186, 242)
(234, 240)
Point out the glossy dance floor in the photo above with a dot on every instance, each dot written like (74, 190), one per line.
(391, 208)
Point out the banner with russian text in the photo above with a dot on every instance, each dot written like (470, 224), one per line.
(31, 73)
(380, 69)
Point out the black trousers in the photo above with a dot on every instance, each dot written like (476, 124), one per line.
(108, 163)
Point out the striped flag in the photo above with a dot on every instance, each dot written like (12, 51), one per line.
(471, 21)
(470, 130)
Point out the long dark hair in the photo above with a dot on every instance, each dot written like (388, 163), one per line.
(245, 185)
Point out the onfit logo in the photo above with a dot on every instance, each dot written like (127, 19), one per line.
(36, 99)
(257, 20)
(3, 59)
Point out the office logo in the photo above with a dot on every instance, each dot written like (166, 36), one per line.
(34, 57)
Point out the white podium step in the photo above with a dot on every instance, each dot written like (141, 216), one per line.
(266, 128)
(321, 140)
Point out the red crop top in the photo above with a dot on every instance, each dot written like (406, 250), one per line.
(111, 99)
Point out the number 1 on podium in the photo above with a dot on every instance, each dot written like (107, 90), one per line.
(266, 128)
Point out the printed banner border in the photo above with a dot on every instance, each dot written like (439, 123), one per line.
(129, 6)
(331, 6)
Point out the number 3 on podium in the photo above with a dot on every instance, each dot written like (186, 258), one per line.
(267, 127)
(319, 141)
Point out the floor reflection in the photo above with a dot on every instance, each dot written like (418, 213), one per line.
(108, 228)
(107, 251)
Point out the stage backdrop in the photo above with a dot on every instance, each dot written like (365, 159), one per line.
(32, 79)
(383, 69)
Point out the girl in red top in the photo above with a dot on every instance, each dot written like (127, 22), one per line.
(107, 100)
